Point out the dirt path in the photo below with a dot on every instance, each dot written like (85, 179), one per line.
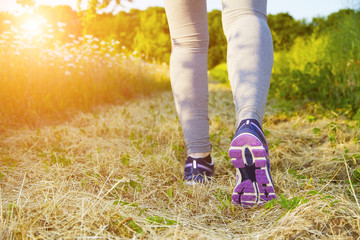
(117, 174)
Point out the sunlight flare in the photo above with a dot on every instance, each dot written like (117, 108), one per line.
(33, 25)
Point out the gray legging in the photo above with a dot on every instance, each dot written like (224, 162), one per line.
(249, 62)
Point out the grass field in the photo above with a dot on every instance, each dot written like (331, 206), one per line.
(91, 147)
(116, 173)
(45, 80)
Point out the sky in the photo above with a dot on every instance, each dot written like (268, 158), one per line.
(304, 9)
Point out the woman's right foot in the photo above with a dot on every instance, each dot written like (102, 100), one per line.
(249, 154)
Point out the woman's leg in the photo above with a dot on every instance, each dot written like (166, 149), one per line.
(250, 56)
(250, 59)
(188, 70)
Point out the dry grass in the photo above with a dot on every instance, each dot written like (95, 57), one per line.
(117, 174)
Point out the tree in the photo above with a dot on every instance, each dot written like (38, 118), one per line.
(64, 14)
(89, 14)
(218, 43)
(285, 29)
(152, 40)
(124, 25)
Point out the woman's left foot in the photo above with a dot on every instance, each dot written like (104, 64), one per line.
(198, 170)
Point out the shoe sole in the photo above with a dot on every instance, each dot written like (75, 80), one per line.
(250, 193)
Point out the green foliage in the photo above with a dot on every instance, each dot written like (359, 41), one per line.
(316, 130)
(219, 73)
(285, 29)
(311, 118)
(152, 41)
(315, 63)
(169, 193)
(325, 197)
(2, 176)
(356, 176)
(133, 184)
(287, 204)
(161, 220)
(124, 203)
(354, 182)
(323, 25)
(323, 68)
(122, 27)
(125, 159)
(225, 200)
(131, 223)
(135, 227)
(217, 43)
(295, 174)
(270, 204)
(89, 15)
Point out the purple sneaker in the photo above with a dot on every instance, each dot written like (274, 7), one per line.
(249, 154)
(198, 170)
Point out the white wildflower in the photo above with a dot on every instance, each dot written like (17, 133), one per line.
(14, 29)
(61, 24)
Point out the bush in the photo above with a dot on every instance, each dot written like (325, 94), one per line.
(219, 73)
(324, 68)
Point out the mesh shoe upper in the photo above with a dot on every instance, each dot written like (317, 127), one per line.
(198, 169)
(252, 126)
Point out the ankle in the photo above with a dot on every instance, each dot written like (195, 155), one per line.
(199, 155)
